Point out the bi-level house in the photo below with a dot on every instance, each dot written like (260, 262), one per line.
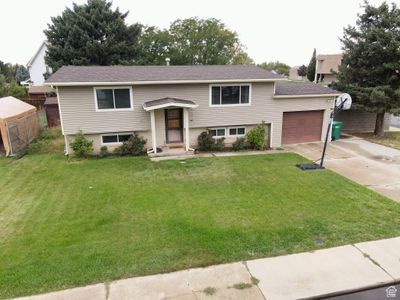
(171, 105)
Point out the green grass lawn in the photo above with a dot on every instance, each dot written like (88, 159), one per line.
(71, 223)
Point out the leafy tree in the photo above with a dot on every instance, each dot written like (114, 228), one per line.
(8, 70)
(302, 71)
(153, 46)
(11, 88)
(191, 41)
(311, 66)
(370, 69)
(242, 58)
(21, 74)
(278, 67)
(91, 34)
(202, 41)
(3, 87)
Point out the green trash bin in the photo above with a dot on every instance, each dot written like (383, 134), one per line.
(336, 129)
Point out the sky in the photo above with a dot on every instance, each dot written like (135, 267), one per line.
(271, 30)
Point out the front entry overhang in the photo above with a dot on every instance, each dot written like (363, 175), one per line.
(169, 102)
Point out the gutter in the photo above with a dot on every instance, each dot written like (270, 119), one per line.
(97, 83)
(305, 96)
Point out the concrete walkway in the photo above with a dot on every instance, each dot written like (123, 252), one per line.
(215, 154)
(304, 275)
(374, 166)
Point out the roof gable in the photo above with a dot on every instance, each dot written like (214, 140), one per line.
(168, 102)
(30, 62)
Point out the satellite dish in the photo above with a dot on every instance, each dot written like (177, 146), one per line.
(344, 101)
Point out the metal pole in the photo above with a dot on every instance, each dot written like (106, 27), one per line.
(321, 164)
(333, 113)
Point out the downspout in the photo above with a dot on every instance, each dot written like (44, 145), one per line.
(66, 146)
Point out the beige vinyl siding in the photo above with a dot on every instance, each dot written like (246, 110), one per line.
(298, 104)
(79, 112)
(97, 141)
(193, 134)
(231, 139)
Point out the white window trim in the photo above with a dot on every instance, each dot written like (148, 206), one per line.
(112, 88)
(111, 134)
(218, 128)
(231, 84)
(237, 127)
(227, 134)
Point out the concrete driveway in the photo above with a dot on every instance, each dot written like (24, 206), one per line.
(374, 166)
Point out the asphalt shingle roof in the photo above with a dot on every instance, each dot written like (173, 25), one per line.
(302, 88)
(82, 74)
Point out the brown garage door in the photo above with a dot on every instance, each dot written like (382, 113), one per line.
(302, 126)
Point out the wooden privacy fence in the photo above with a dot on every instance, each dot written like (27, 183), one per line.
(36, 102)
(22, 131)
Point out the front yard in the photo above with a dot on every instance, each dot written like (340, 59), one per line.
(67, 224)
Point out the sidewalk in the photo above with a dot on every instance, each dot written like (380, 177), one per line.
(304, 275)
(216, 154)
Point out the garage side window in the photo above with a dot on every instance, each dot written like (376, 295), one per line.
(113, 99)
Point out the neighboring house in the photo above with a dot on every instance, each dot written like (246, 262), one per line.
(171, 105)
(37, 66)
(326, 66)
(353, 120)
(294, 75)
(40, 92)
(37, 95)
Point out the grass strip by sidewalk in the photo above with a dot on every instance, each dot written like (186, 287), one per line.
(66, 224)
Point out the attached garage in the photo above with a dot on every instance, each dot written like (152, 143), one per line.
(302, 126)
(305, 108)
